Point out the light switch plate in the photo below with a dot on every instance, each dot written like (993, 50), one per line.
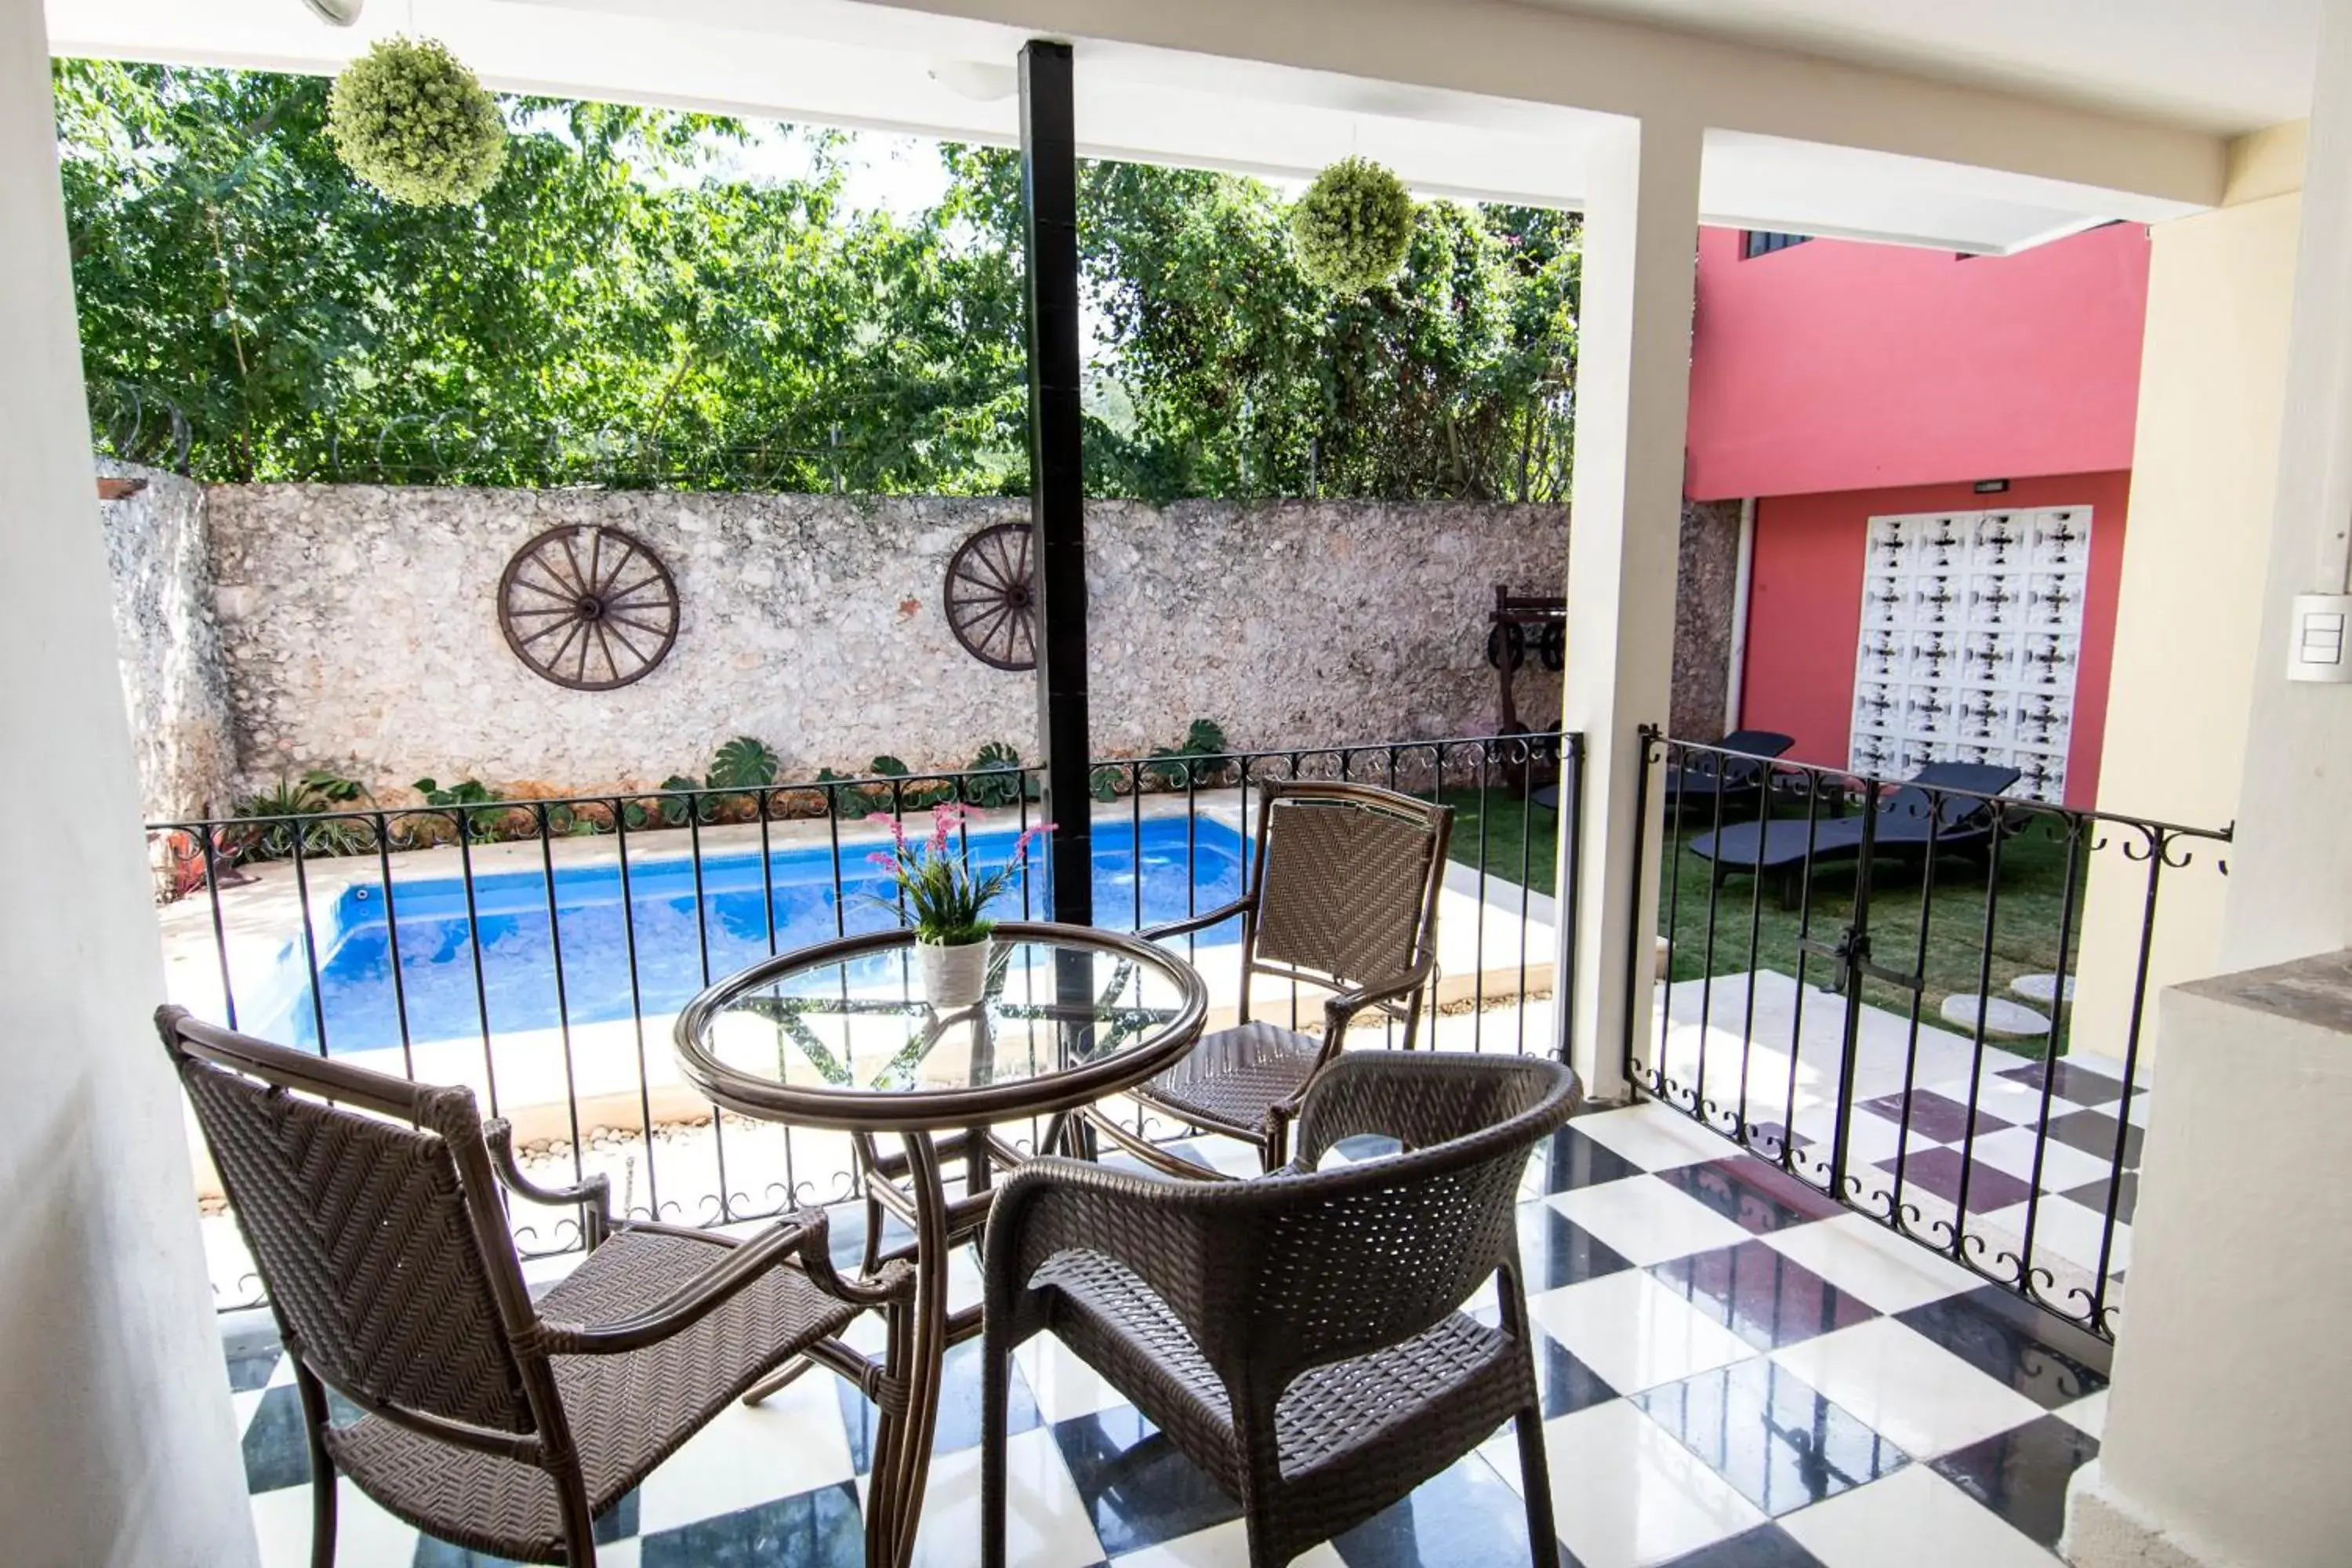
(2321, 638)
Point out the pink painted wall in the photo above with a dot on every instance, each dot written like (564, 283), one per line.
(1837, 365)
(1805, 609)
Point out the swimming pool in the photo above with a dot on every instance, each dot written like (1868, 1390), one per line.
(678, 947)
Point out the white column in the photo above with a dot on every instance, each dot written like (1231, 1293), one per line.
(1633, 397)
(2231, 1413)
(117, 1445)
(2291, 868)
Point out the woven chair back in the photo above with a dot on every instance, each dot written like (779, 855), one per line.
(1345, 881)
(364, 1238)
(1354, 1258)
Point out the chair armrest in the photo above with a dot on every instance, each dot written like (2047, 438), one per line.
(1195, 922)
(802, 1236)
(1341, 1010)
(593, 1194)
(1053, 1205)
(1338, 1011)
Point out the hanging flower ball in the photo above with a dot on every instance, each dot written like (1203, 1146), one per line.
(1352, 227)
(409, 119)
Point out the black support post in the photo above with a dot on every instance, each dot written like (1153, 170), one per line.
(1049, 220)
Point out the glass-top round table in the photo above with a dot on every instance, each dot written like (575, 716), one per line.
(839, 1036)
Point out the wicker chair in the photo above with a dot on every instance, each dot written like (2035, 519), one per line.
(1343, 898)
(493, 1423)
(1298, 1336)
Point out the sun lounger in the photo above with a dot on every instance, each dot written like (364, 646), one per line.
(1907, 823)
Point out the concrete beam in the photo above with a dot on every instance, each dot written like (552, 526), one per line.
(1543, 56)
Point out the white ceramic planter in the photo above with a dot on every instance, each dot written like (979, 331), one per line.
(953, 977)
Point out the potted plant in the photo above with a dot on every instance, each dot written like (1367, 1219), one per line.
(946, 901)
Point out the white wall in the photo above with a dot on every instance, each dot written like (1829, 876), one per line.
(2231, 1413)
(116, 1441)
(2291, 871)
(2189, 617)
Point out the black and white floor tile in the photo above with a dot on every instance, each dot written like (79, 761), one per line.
(1736, 1374)
(2026, 1160)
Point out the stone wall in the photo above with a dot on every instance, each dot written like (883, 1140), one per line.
(1703, 597)
(359, 629)
(170, 650)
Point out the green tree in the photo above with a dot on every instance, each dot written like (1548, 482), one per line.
(614, 310)
(1229, 373)
(607, 312)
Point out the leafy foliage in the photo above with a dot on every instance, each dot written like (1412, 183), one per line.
(413, 123)
(1353, 226)
(744, 763)
(1198, 759)
(940, 892)
(607, 312)
(846, 801)
(316, 792)
(996, 777)
(482, 826)
(615, 309)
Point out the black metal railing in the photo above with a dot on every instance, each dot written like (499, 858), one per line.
(1924, 999)
(536, 949)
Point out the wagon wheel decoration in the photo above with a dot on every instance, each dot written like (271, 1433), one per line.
(588, 607)
(992, 596)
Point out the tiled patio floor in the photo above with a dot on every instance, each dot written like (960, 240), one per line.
(1773, 1050)
(1736, 1374)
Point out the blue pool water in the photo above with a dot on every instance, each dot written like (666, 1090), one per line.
(1182, 868)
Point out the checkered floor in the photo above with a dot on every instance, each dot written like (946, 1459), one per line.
(1736, 1374)
(1745, 1026)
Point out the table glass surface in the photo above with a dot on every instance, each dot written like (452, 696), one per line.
(861, 1024)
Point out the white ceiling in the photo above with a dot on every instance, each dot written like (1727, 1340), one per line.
(845, 63)
(2225, 66)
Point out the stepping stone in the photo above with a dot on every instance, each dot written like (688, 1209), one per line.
(2001, 1016)
(2041, 988)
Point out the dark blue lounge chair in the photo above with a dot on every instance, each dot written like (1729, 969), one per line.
(1907, 823)
(1705, 778)
(1706, 775)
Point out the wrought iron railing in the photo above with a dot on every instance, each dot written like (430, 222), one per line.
(1925, 1001)
(536, 949)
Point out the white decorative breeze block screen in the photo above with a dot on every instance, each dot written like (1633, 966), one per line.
(1971, 630)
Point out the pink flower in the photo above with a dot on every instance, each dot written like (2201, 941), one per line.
(943, 820)
(883, 858)
(897, 828)
(1021, 844)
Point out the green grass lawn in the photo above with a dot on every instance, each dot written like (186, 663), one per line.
(1751, 931)
(1497, 829)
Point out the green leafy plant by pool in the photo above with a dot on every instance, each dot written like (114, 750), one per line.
(482, 826)
(316, 792)
(744, 763)
(1198, 759)
(910, 796)
(411, 119)
(997, 779)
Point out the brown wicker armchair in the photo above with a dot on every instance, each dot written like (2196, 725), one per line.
(1299, 1336)
(1342, 898)
(492, 1422)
